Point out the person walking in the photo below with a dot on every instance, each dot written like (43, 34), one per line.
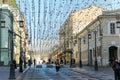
(15, 65)
(29, 62)
(116, 69)
(34, 62)
(57, 65)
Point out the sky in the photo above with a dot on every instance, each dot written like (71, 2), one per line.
(45, 17)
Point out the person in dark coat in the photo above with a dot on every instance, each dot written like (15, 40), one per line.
(116, 69)
(29, 62)
(57, 65)
(15, 65)
(34, 62)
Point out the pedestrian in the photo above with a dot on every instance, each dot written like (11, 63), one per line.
(34, 62)
(116, 69)
(61, 61)
(57, 65)
(15, 65)
(29, 62)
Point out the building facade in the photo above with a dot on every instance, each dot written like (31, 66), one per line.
(98, 40)
(10, 18)
(6, 19)
(74, 24)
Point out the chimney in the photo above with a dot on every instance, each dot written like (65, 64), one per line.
(5, 1)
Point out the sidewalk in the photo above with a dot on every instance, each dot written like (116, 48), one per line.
(5, 71)
(105, 73)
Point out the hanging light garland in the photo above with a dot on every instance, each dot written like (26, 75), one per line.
(39, 25)
(55, 13)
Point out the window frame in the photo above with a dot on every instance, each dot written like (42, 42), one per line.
(2, 24)
(112, 28)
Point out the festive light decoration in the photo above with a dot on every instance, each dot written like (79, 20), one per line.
(45, 18)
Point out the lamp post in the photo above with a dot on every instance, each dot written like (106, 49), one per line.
(64, 48)
(89, 37)
(12, 65)
(96, 63)
(80, 61)
(71, 52)
(26, 36)
(21, 50)
(24, 60)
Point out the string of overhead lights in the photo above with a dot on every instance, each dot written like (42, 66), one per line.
(39, 25)
(34, 25)
(51, 15)
(30, 29)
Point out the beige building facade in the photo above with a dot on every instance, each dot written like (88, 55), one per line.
(75, 24)
(93, 35)
(100, 39)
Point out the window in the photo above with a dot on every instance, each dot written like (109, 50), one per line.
(2, 23)
(112, 28)
(89, 36)
(21, 23)
(118, 24)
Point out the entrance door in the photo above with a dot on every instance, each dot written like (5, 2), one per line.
(112, 53)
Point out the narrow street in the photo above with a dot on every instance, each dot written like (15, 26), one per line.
(45, 73)
(81, 37)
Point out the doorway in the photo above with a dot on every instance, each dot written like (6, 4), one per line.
(112, 53)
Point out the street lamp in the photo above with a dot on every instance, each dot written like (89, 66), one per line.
(12, 65)
(64, 47)
(21, 50)
(89, 37)
(80, 61)
(96, 64)
(26, 36)
(70, 51)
